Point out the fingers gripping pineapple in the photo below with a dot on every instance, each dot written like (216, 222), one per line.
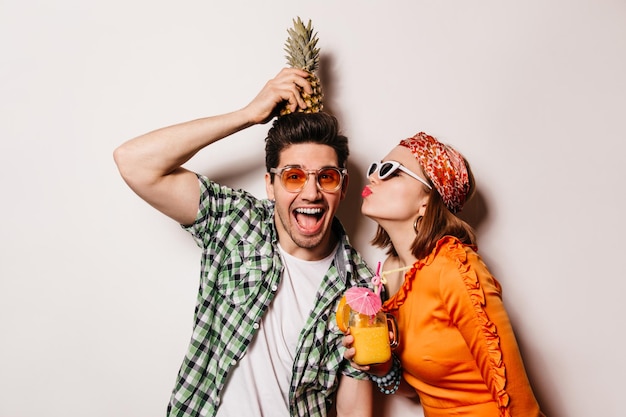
(302, 53)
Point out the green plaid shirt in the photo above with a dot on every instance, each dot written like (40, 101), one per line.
(240, 273)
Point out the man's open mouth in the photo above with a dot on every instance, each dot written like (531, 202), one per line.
(308, 219)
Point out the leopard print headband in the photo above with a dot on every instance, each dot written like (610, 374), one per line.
(444, 166)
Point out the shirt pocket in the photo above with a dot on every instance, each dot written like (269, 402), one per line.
(243, 272)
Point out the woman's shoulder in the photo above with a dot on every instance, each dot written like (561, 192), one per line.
(457, 262)
(451, 249)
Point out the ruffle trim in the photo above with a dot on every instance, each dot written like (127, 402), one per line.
(454, 250)
(398, 299)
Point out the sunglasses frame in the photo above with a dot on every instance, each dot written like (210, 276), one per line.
(375, 167)
(280, 171)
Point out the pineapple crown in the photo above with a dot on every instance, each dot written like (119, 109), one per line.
(301, 46)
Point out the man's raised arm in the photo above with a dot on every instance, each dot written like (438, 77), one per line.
(151, 164)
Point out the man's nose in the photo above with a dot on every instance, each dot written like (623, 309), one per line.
(311, 190)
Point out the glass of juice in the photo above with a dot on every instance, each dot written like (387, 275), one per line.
(375, 332)
(371, 337)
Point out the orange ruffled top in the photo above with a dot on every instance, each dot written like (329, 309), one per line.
(457, 346)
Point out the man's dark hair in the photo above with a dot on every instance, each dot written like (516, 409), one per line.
(295, 128)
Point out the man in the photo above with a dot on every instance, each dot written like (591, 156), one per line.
(265, 342)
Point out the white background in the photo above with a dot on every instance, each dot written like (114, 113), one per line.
(97, 289)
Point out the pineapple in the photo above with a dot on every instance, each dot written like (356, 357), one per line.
(302, 53)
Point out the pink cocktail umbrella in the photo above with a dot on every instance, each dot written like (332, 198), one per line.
(363, 300)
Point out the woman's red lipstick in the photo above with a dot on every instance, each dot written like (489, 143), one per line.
(366, 191)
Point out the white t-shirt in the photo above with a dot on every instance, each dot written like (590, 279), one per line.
(258, 386)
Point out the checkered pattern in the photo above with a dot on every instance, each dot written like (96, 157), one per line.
(240, 272)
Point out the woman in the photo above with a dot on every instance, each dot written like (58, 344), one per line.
(457, 348)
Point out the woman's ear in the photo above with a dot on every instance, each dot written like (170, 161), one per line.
(423, 204)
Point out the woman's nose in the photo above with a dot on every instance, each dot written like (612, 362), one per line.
(373, 177)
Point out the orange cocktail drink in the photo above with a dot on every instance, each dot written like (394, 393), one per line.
(369, 326)
(371, 343)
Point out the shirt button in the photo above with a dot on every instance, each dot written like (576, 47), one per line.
(255, 326)
(248, 262)
(274, 288)
(233, 362)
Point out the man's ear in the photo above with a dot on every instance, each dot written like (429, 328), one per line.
(269, 187)
(344, 186)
